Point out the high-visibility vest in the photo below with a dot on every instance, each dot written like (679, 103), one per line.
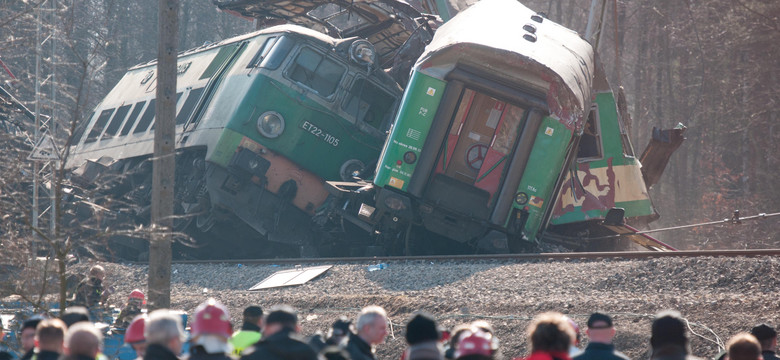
(243, 339)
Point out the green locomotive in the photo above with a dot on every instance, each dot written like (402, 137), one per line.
(262, 121)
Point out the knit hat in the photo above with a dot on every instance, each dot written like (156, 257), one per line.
(422, 327)
(763, 332)
(668, 328)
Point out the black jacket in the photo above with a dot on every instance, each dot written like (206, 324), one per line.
(600, 351)
(359, 349)
(75, 357)
(5, 355)
(46, 355)
(199, 353)
(283, 345)
(769, 355)
(671, 352)
(159, 352)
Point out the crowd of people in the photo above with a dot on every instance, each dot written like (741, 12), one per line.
(276, 335)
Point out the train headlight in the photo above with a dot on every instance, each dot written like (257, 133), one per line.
(362, 52)
(270, 124)
(521, 198)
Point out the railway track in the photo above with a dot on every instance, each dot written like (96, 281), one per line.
(502, 257)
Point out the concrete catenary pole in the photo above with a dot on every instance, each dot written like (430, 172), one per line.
(164, 157)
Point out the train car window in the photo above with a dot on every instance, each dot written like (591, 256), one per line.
(97, 129)
(178, 98)
(317, 72)
(133, 116)
(272, 53)
(189, 106)
(80, 129)
(510, 127)
(221, 57)
(113, 126)
(262, 53)
(590, 143)
(146, 118)
(369, 103)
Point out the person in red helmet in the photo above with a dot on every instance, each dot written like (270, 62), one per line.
(211, 331)
(134, 306)
(475, 345)
(134, 336)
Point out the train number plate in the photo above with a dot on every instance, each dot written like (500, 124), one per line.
(320, 133)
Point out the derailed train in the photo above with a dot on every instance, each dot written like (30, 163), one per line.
(262, 119)
(489, 145)
(508, 134)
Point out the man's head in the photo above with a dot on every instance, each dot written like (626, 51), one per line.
(339, 331)
(136, 298)
(280, 317)
(254, 315)
(74, 314)
(50, 335)
(600, 329)
(371, 325)
(421, 328)
(766, 335)
(744, 346)
(27, 332)
(164, 328)
(668, 329)
(550, 331)
(83, 339)
(97, 272)
(134, 335)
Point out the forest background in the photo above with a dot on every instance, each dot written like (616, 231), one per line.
(709, 64)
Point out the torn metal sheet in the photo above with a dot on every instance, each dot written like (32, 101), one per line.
(297, 276)
(398, 31)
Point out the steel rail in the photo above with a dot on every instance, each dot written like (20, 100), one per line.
(499, 257)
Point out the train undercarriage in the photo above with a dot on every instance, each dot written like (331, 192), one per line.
(216, 214)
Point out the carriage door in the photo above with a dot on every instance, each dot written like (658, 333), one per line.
(481, 139)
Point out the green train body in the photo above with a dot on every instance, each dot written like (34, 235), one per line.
(263, 120)
(486, 126)
(508, 135)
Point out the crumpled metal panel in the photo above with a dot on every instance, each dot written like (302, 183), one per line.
(297, 276)
(388, 24)
(491, 35)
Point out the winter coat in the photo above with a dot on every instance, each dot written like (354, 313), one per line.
(600, 351)
(159, 352)
(359, 349)
(283, 345)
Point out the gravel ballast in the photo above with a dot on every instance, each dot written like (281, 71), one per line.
(718, 296)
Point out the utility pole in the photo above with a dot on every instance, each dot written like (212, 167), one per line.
(164, 157)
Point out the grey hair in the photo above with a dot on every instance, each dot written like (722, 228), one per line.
(163, 326)
(368, 315)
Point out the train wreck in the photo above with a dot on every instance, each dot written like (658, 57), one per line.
(283, 147)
